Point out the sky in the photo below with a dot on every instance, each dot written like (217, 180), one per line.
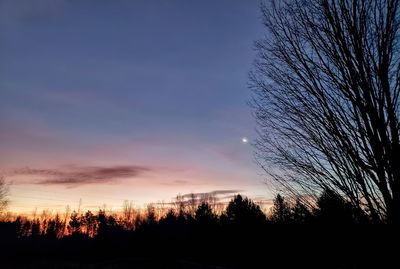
(106, 101)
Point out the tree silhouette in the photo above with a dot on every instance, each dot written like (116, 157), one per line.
(102, 224)
(280, 211)
(151, 218)
(107, 226)
(75, 223)
(300, 213)
(204, 214)
(169, 218)
(35, 228)
(128, 213)
(26, 228)
(333, 209)
(326, 84)
(3, 194)
(51, 230)
(244, 212)
(90, 223)
(55, 227)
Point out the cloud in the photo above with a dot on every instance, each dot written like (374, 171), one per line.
(80, 175)
(176, 183)
(34, 172)
(216, 194)
(220, 197)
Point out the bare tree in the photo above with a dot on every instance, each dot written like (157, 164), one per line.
(326, 83)
(3, 194)
(128, 214)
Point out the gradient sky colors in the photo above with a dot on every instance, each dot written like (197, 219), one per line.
(137, 100)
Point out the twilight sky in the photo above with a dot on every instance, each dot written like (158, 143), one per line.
(136, 100)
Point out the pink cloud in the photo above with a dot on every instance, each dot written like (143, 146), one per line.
(82, 175)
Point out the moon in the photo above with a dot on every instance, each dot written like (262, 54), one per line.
(244, 140)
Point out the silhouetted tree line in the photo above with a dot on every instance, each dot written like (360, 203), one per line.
(238, 237)
(241, 212)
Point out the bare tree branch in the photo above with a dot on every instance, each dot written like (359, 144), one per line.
(326, 84)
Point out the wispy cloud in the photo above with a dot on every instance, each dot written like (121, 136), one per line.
(80, 175)
(216, 194)
(214, 197)
(176, 183)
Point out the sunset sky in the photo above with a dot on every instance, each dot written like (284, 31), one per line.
(107, 101)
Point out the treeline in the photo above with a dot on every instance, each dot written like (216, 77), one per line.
(330, 209)
(237, 237)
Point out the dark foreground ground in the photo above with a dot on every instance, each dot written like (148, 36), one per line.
(271, 246)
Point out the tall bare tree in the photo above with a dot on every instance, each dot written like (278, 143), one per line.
(326, 83)
(3, 194)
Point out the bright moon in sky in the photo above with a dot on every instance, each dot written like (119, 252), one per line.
(244, 140)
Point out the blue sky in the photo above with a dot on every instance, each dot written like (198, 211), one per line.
(105, 84)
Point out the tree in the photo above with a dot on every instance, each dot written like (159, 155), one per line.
(204, 215)
(90, 222)
(75, 223)
(169, 219)
(105, 226)
(102, 230)
(333, 209)
(280, 210)
(35, 228)
(243, 211)
(151, 215)
(3, 194)
(128, 214)
(300, 214)
(55, 227)
(327, 83)
(26, 228)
